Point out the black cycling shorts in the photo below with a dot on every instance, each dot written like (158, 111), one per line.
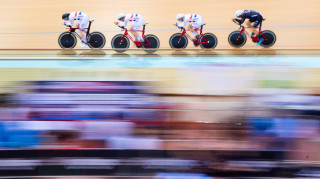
(257, 21)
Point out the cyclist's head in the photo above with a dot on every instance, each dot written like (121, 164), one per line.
(121, 16)
(180, 17)
(65, 16)
(239, 13)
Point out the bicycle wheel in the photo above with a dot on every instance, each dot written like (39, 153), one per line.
(234, 41)
(270, 38)
(96, 40)
(211, 40)
(176, 44)
(67, 40)
(154, 43)
(117, 44)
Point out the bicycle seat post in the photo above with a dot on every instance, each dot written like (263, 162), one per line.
(143, 29)
(88, 29)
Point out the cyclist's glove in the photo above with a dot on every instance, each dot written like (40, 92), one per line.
(66, 24)
(239, 21)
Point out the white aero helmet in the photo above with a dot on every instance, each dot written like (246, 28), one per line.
(180, 17)
(121, 16)
(239, 13)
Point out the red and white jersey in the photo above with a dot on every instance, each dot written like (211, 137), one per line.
(130, 17)
(192, 18)
(77, 15)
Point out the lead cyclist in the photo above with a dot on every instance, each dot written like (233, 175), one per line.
(251, 19)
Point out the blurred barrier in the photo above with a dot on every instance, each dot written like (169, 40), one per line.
(140, 162)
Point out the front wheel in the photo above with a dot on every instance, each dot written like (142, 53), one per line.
(208, 41)
(177, 41)
(67, 40)
(120, 42)
(96, 40)
(237, 40)
(154, 43)
(269, 38)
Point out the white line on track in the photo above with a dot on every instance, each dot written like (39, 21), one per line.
(174, 30)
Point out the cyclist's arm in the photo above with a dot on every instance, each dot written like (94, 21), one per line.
(126, 20)
(240, 21)
(71, 20)
(184, 23)
(244, 17)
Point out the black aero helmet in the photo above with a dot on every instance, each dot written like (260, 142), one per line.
(65, 15)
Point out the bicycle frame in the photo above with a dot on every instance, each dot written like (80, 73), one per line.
(126, 34)
(184, 32)
(73, 30)
(243, 29)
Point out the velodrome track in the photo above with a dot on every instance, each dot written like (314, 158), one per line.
(37, 24)
(30, 29)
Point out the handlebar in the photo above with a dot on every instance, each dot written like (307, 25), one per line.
(68, 26)
(181, 28)
(236, 22)
(123, 28)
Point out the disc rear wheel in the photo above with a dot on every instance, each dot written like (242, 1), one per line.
(208, 41)
(269, 40)
(96, 40)
(154, 43)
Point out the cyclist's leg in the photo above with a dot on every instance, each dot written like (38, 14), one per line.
(249, 24)
(136, 26)
(82, 25)
(256, 24)
(134, 33)
(193, 28)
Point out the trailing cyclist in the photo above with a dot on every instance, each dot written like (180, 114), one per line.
(195, 22)
(82, 21)
(138, 22)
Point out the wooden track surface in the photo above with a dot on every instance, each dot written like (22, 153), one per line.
(36, 23)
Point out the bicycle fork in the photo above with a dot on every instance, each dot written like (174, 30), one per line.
(125, 34)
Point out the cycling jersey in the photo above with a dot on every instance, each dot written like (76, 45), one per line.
(138, 21)
(252, 15)
(81, 17)
(195, 20)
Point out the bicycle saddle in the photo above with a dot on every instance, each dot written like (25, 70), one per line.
(91, 20)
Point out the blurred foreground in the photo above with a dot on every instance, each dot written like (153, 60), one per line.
(219, 121)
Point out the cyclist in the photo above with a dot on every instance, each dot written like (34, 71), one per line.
(195, 22)
(254, 20)
(82, 21)
(138, 22)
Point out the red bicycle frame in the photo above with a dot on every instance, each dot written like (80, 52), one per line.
(243, 29)
(184, 32)
(138, 43)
